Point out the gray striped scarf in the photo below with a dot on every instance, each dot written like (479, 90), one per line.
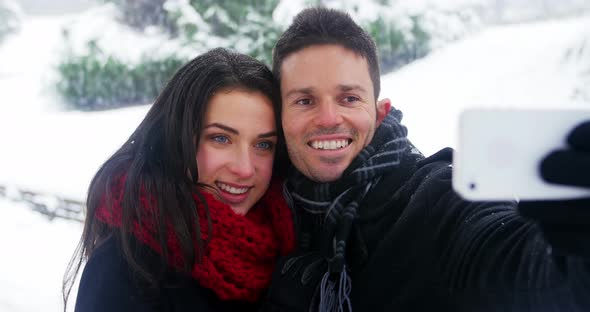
(338, 201)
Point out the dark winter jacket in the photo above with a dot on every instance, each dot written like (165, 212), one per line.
(416, 245)
(108, 284)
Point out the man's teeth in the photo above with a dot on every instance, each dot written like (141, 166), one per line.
(231, 189)
(330, 144)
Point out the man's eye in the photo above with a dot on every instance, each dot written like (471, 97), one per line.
(351, 99)
(265, 145)
(303, 102)
(220, 139)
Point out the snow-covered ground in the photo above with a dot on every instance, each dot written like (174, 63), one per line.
(523, 65)
(35, 253)
(55, 152)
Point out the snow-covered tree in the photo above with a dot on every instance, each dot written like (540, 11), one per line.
(9, 17)
(140, 14)
(244, 26)
(101, 78)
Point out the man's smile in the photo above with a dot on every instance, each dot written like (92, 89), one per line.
(329, 144)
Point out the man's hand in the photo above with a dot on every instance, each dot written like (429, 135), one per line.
(566, 223)
(295, 282)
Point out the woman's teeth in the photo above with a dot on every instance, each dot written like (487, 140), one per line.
(329, 144)
(231, 189)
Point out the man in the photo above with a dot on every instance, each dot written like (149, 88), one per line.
(379, 226)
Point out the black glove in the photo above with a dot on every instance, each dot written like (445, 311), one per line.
(566, 223)
(295, 282)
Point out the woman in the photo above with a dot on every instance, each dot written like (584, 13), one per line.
(184, 215)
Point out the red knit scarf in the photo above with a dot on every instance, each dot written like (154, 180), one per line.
(241, 253)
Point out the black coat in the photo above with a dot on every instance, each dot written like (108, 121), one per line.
(417, 246)
(109, 285)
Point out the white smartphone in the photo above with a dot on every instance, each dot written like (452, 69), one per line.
(499, 151)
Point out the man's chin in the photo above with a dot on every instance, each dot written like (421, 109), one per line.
(325, 174)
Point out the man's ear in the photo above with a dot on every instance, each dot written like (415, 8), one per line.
(383, 108)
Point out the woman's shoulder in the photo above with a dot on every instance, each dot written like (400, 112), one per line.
(106, 283)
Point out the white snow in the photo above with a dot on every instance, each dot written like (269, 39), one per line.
(56, 152)
(35, 253)
(26, 63)
(523, 65)
(188, 15)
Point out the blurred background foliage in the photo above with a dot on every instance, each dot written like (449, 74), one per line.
(9, 18)
(95, 79)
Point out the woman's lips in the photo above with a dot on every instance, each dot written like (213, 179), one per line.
(233, 193)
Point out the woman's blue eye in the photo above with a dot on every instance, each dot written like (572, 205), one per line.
(265, 145)
(220, 139)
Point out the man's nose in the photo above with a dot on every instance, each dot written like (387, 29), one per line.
(328, 115)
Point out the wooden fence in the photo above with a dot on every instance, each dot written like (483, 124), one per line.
(51, 206)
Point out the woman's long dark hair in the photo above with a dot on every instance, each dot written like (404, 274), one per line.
(160, 159)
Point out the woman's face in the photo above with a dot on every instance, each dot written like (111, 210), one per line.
(236, 148)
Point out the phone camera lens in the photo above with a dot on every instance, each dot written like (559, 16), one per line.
(472, 186)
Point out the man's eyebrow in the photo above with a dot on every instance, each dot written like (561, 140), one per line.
(267, 134)
(352, 87)
(307, 90)
(224, 127)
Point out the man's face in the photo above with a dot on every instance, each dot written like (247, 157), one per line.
(329, 113)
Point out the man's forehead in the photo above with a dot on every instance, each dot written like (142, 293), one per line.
(324, 67)
(311, 51)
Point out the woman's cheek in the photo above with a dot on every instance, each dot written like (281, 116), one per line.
(209, 162)
(265, 170)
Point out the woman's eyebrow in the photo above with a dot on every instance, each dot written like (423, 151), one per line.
(234, 131)
(267, 134)
(224, 127)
